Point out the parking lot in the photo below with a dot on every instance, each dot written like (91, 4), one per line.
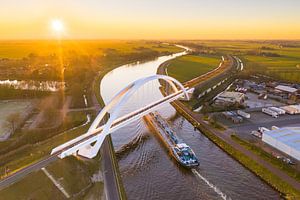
(258, 119)
(253, 101)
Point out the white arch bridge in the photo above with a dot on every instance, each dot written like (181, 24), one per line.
(88, 144)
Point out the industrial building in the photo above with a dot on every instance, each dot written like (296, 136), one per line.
(230, 98)
(290, 92)
(286, 89)
(285, 139)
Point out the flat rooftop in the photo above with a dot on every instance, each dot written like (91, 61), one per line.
(286, 88)
(288, 135)
(231, 95)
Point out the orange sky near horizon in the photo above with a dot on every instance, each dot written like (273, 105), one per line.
(141, 19)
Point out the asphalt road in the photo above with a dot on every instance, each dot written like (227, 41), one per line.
(259, 119)
(15, 177)
(112, 191)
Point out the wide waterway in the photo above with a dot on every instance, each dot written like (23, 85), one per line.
(148, 172)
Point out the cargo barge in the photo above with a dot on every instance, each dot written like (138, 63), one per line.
(178, 149)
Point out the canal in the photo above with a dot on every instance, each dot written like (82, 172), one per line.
(148, 172)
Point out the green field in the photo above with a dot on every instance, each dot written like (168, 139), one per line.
(278, 59)
(35, 186)
(38, 186)
(285, 68)
(190, 66)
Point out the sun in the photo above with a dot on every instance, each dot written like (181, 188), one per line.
(57, 26)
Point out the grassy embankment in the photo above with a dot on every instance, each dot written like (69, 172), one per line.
(38, 186)
(288, 191)
(62, 170)
(268, 157)
(189, 67)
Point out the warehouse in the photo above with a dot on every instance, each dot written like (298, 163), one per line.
(286, 89)
(230, 98)
(286, 140)
(290, 92)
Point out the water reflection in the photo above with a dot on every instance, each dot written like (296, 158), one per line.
(47, 86)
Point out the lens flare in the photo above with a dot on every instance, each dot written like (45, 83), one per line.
(57, 26)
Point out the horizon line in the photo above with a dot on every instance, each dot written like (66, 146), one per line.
(148, 39)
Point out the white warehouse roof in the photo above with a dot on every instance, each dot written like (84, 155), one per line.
(286, 88)
(235, 95)
(285, 139)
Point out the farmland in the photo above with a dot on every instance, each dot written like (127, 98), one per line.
(277, 59)
(21, 49)
(190, 66)
(284, 68)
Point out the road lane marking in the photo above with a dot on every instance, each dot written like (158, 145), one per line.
(56, 183)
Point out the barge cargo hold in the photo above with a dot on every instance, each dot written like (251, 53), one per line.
(178, 149)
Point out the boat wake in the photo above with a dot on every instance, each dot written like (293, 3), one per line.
(126, 148)
(215, 188)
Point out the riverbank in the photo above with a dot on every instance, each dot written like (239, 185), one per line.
(108, 144)
(206, 84)
(108, 149)
(142, 155)
(281, 182)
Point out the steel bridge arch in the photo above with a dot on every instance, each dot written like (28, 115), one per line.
(116, 103)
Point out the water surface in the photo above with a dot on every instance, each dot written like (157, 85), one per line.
(148, 172)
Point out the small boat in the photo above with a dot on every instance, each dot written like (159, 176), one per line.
(179, 150)
(185, 155)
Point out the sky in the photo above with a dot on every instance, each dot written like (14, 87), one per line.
(151, 19)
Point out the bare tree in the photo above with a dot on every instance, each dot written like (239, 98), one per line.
(13, 120)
